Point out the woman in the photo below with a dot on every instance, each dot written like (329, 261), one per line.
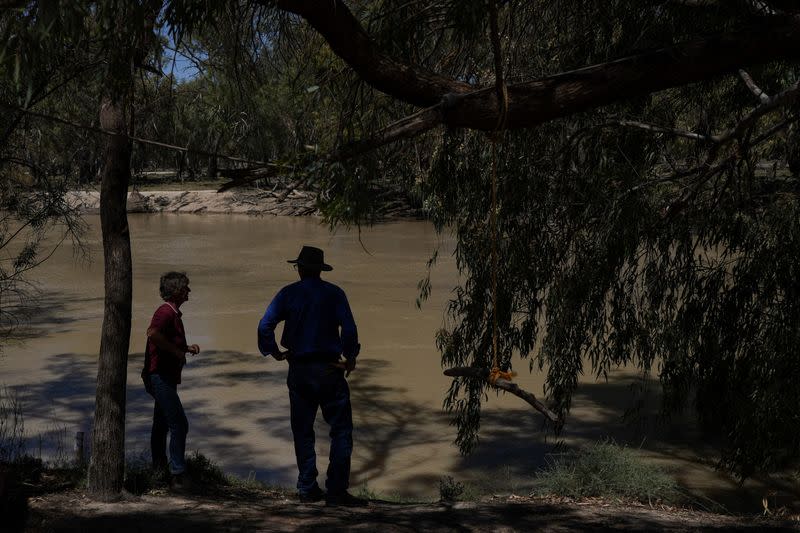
(165, 355)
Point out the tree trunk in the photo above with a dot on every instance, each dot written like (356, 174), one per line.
(107, 469)
(211, 170)
(107, 466)
(181, 164)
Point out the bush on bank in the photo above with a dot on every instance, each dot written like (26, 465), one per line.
(606, 469)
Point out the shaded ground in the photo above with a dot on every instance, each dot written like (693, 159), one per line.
(253, 510)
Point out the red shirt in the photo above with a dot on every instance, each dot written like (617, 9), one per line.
(167, 320)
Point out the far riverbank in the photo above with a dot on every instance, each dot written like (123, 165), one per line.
(238, 201)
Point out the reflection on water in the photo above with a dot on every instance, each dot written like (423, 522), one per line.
(237, 401)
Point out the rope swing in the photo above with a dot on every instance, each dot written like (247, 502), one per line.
(496, 377)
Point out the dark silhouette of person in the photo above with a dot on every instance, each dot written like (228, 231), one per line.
(318, 329)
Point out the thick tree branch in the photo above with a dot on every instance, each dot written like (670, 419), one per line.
(405, 128)
(458, 104)
(429, 118)
(412, 84)
(564, 94)
(245, 176)
(556, 96)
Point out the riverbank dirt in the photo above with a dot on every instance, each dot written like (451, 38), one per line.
(237, 201)
(260, 510)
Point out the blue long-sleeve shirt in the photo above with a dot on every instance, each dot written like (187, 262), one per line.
(314, 311)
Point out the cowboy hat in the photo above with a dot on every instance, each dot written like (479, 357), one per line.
(311, 257)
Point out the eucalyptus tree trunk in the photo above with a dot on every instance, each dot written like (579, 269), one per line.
(107, 469)
(211, 169)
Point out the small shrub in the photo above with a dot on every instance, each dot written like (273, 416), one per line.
(450, 489)
(249, 482)
(205, 473)
(607, 470)
(201, 471)
(140, 477)
(367, 493)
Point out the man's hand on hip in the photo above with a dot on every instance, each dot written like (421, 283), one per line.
(348, 365)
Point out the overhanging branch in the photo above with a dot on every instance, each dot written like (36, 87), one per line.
(560, 95)
(405, 128)
(458, 104)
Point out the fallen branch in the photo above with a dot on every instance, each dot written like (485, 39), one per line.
(240, 177)
(290, 188)
(504, 384)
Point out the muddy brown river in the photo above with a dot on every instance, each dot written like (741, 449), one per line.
(236, 400)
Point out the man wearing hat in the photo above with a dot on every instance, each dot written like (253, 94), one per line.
(318, 329)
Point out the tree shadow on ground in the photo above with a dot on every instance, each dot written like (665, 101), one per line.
(513, 445)
(215, 421)
(62, 403)
(385, 423)
(43, 314)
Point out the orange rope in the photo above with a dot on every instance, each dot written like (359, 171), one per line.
(493, 214)
(502, 99)
(496, 373)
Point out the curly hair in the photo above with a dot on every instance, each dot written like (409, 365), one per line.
(171, 283)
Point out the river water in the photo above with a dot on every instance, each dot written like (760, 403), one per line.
(236, 400)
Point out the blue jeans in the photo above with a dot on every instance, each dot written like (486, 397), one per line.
(313, 385)
(168, 416)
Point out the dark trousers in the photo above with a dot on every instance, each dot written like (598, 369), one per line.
(168, 416)
(315, 385)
